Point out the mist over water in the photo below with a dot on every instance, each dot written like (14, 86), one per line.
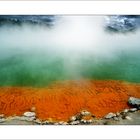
(76, 47)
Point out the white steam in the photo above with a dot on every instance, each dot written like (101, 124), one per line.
(72, 37)
(71, 33)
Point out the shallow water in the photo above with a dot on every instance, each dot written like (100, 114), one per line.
(77, 47)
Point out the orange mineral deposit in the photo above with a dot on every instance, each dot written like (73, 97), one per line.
(63, 99)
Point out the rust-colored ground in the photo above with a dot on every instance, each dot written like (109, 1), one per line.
(64, 99)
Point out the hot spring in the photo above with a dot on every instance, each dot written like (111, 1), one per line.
(76, 48)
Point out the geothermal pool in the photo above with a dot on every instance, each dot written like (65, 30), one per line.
(76, 48)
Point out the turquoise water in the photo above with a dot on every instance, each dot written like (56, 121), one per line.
(36, 56)
(41, 70)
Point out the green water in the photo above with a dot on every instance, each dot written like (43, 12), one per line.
(42, 69)
(126, 67)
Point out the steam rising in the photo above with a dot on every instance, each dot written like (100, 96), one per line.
(75, 47)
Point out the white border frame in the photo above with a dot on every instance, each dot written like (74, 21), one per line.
(70, 132)
(70, 7)
(59, 8)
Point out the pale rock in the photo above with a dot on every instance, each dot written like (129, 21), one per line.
(23, 118)
(90, 121)
(133, 109)
(29, 114)
(84, 121)
(134, 101)
(46, 122)
(116, 118)
(128, 118)
(85, 113)
(110, 115)
(126, 110)
(37, 121)
(75, 122)
(73, 118)
(117, 114)
(62, 123)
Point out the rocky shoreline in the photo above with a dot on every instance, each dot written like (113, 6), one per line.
(84, 117)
